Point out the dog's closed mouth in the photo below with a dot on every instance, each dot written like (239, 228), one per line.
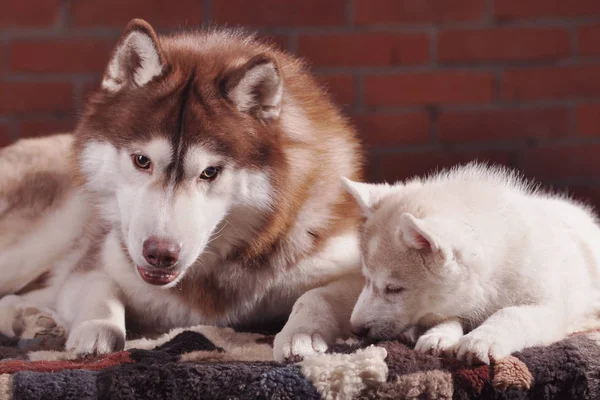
(157, 277)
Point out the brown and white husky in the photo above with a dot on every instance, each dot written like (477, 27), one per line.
(202, 186)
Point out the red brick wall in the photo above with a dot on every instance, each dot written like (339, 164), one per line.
(428, 82)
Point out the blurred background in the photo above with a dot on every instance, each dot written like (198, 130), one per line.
(428, 83)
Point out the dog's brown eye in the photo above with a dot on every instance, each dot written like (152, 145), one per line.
(209, 173)
(142, 162)
(389, 289)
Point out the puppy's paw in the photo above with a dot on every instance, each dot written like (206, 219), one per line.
(31, 322)
(96, 337)
(298, 343)
(480, 347)
(437, 344)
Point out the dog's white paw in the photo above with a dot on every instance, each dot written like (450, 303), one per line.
(96, 337)
(480, 346)
(301, 343)
(437, 344)
(32, 322)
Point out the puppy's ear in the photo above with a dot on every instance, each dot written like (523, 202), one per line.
(367, 195)
(137, 58)
(256, 88)
(416, 234)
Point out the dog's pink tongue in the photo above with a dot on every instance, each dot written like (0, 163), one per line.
(157, 277)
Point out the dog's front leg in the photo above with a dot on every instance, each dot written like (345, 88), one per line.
(93, 306)
(509, 330)
(318, 317)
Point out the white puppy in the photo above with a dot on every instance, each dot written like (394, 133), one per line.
(481, 260)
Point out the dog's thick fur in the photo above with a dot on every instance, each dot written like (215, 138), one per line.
(475, 249)
(219, 146)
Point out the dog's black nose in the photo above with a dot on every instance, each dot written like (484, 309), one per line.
(360, 331)
(161, 253)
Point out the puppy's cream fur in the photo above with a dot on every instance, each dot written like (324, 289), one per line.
(482, 260)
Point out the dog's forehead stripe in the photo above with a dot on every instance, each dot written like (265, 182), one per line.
(176, 171)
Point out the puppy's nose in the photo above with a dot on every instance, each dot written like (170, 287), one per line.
(160, 252)
(359, 330)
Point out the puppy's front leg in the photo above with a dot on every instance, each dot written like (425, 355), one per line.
(508, 330)
(93, 306)
(318, 317)
(441, 339)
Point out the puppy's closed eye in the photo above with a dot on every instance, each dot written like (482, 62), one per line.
(391, 289)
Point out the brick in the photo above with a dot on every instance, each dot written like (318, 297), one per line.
(341, 88)
(280, 12)
(417, 11)
(45, 127)
(365, 49)
(519, 9)
(551, 82)
(28, 14)
(405, 165)
(460, 126)
(488, 45)
(449, 87)
(59, 56)
(560, 162)
(389, 130)
(588, 119)
(116, 13)
(588, 38)
(25, 97)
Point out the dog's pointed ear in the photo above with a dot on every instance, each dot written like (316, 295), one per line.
(367, 195)
(137, 58)
(416, 234)
(256, 88)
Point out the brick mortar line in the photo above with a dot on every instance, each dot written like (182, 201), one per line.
(481, 107)
(64, 16)
(574, 42)
(389, 70)
(54, 31)
(38, 116)
(486, 146)
(207, 12)
(55, 35)
(4, 62)
(489, 12)
(113, 33)
(434, 46)
(418, 27)
(15, 77)
(292, 42)
(350, 12)
(541, 22)
(560, 61)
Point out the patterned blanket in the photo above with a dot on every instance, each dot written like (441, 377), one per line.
(211, 363)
